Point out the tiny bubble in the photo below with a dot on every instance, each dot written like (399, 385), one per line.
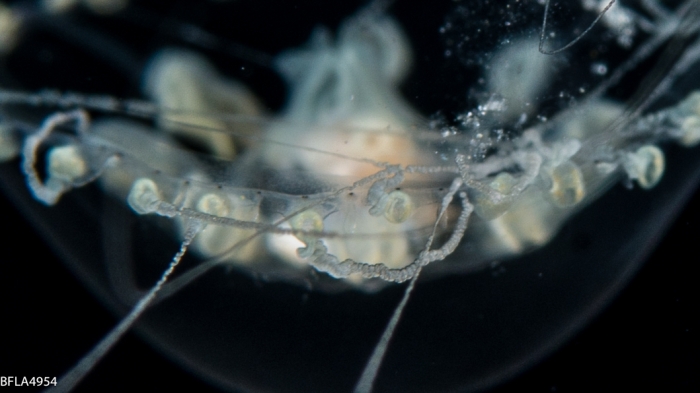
(599, 69)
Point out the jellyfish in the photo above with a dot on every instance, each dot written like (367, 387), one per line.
(463, 328)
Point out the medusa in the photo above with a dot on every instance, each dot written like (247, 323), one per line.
(484, 289)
